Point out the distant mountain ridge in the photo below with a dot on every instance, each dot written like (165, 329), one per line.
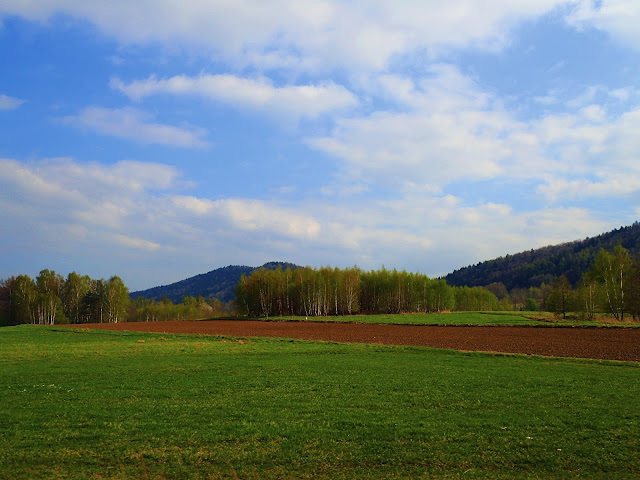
(521, 270)
(531, 268)
(219, 283)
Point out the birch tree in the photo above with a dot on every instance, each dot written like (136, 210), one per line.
(75, 288)
(49, 304)
(611, 270)
(22, 299)
(117, 299)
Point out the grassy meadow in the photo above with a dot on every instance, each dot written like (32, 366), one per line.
(119, 405)
(531, 319)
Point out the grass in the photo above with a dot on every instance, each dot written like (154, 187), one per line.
(536, 319)
(115, 405)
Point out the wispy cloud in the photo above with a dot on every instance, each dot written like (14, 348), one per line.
(305, 34)
(9, 103)
(133, 124)
(446, 129)
(79, 209)
(619, 18)
(253, 215)
(137, 243)
(82, 202)
(260, 94)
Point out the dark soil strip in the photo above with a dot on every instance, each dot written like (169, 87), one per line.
(601, 343)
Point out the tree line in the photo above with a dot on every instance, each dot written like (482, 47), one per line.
(333, 291)
(611, 285)
(50, 299)
(190, 308)
(545, 265)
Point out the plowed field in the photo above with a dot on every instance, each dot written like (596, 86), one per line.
(600, 343)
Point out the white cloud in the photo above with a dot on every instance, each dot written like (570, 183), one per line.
(446, 128)
(620, 18)
(616, 185)
(133, 124)
(127, 209)
(53, 175)
(597, 156)
(95, 194)
(461, 234)
(546, 100)
(138, 243)
(261, 94)
(117, 213)
(587, 97)
(9, 103)
(593, 113)
(73, 207)
(300, 34)
(253, 215)
(193, 205)
(622, 94)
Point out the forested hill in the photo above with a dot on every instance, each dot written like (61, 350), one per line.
(530, 269)
(219, 283)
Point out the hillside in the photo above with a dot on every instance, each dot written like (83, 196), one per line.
(531, 268)
(522, 270)
(219, 283)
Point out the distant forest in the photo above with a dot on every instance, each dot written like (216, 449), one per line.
(50, 299)
(589, 277)
(220, 284)
(520, 275)
(333, 291)
(545, 265)
(610, 284)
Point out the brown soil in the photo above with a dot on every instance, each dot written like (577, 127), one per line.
(601, 343)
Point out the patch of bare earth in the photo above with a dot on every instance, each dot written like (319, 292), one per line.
(600, 343)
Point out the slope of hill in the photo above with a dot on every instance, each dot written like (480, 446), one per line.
(219, 283)
(522, 270)
(531, 268)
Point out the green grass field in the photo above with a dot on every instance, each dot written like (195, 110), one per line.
(108, 405)
(536, 319)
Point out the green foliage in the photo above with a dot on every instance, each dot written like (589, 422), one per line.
(299, 291)
(82, 405)
(117, 299)
(5, 303)
(545, 265)
(323, 292)
(589, 296)
(76, 287)
(23, 295)
(633, 291)
(219, 283)
(475, 299)
(611, 270)
(610, 286)
(146, 310)
(51, 299)
(560, 299)
(531, 305)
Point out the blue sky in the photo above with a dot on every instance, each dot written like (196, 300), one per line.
(157, 140)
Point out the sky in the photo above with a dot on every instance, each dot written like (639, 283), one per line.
(161, 139)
